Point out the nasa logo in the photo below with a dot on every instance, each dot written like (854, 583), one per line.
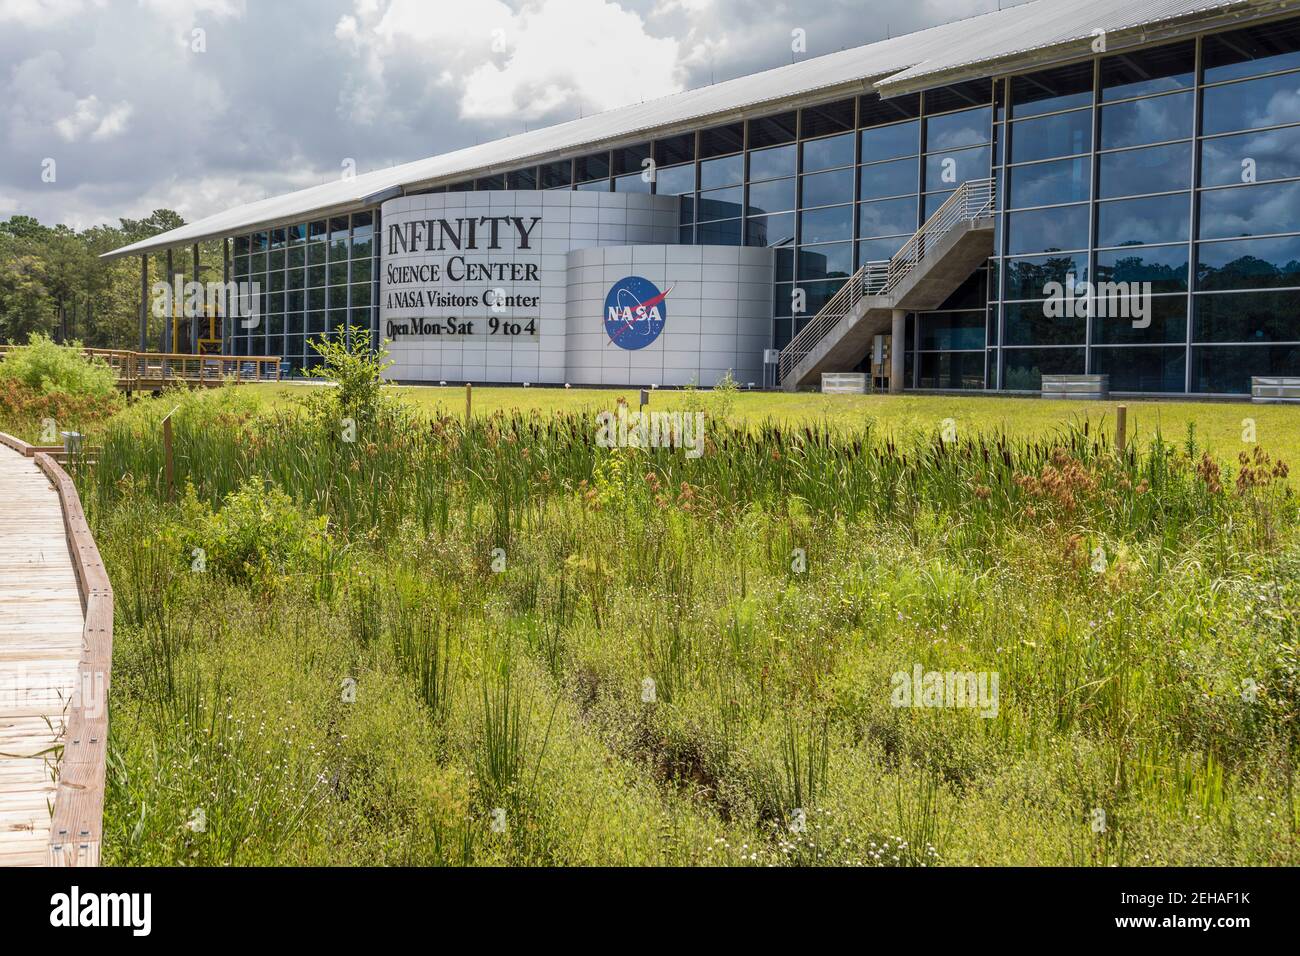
(634, 312)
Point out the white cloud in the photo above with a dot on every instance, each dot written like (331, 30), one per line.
(35, 14)
(551, 55)
(89, 116)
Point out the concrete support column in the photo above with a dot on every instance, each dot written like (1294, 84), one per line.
(896, 352)
(144, 303)
(194, 319)
(167, 344)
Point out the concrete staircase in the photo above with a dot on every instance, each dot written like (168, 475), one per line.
(941, 255)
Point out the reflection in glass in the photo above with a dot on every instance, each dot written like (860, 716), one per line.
(1247, 317)
(774, 195)
(1154, 120)
(953, 130)
(950, 170)
(1248, 264)
(1272, 154)
(1156, 169)
(1144, 72)
(890, 142)
(825, 189)
(826, 225)
(1143, 221)
(890, 217)
(1118, 323)
(1028, 278)
(1047, 230)
(1050, 136)
(1250, 210)
(1227, 370)
(1142, 370)
(1165, 267)
(1023, 369)
(1268, 101)
(828, 153)
(1046, 184)
(881, 180)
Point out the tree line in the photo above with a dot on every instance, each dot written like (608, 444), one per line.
(53, 281)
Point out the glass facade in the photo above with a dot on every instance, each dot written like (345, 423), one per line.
(317, 278)
(1175, 164)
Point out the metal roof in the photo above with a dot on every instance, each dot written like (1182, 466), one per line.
(1025, 33)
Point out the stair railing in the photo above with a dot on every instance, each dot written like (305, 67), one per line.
(973, 199)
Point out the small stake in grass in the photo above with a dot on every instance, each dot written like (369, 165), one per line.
(469, 402)
(1121, 428)
(645, 398)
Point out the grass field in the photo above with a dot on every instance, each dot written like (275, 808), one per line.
(364, 631)
(1219, 425)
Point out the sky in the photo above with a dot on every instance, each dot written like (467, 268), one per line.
(114, 108)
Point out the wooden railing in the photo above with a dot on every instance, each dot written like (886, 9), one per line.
(77, 817)
(973, 200)
(151, 370)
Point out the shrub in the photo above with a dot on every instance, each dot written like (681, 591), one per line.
(259, 532)
(44, 367)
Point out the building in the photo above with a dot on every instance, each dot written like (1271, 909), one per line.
(1149, 147)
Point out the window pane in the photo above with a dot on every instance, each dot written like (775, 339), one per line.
(949, 170)
(1269, 101)
(1165, 267)
(828, 153)
(952, 369)
(1051, 90)
(891, 217)
(522, 179)
(725, 233)
(1165, 68)
(1051, 136)
(889, 142)
(1228, 369)
(720, 204)
(1023, 369)
(1028, 278)
(1247, 317)
(959, 330)
(771, 230)
(826, 118)
(878, 250)
(1250, 210)
(1154, 120)
(931, 202)
(826, 225)
(1248, 264)
(1027, 323)
(772, 163)
(818, 294)
(1142, 370)
(881, 180)
(675, 180)
(631, 183)
(722, 172)
(1252, 51)
(833, 261)
(824, 189)
(771, 130)
(1162, 318)
(953, 130)
(594, 186)
(1045, 184)
(1047, 230)
(775, 195)
(1137, 171)
(1143, 221)
(722, 140)
(1275, 154)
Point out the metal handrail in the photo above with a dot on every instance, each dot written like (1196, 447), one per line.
(973, 199)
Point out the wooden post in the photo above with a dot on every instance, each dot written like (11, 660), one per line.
(1121, 428)
(469, 402)
(168, 472)
(645, 398)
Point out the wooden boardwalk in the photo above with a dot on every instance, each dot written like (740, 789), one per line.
(41, 651)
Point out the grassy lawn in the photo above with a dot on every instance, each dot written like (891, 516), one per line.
(1219, 425)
